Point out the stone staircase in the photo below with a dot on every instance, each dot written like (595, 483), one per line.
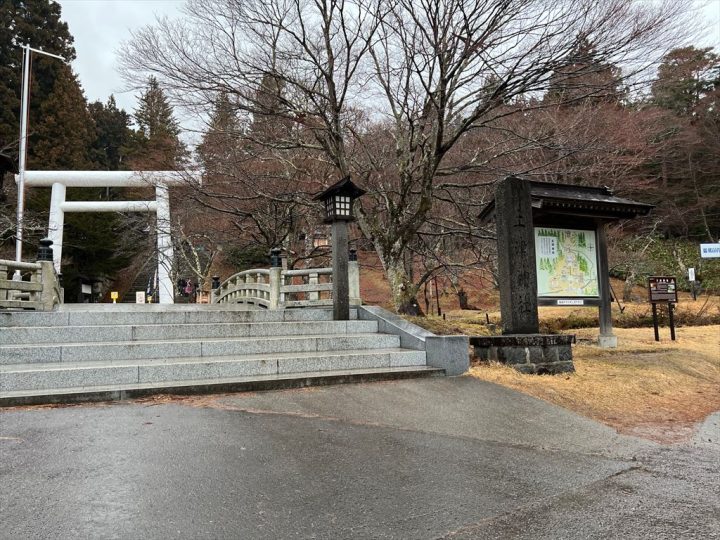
(142, 279)
(104, 351)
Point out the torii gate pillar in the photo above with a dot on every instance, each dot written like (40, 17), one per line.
(59, 181)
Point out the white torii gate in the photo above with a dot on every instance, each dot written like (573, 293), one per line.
(161, 180)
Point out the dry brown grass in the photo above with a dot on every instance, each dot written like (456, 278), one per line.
(649, 389)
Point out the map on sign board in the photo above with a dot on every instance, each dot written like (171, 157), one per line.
(566, 262)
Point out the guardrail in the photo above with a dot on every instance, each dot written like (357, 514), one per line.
(275, 288)
(38, 289)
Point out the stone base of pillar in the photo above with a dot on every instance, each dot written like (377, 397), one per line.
(607, 341)
(528, 353)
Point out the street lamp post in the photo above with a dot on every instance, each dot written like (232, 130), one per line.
(24, 105)
(338, 201)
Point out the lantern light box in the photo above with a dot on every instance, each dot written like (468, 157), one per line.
(338, 200)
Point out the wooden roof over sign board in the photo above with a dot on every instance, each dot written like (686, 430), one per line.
(571, 200)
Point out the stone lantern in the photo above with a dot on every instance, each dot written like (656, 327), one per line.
(338, 202)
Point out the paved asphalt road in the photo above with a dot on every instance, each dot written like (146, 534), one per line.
(438, 458)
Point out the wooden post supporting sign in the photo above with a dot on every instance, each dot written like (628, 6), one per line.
(663, 290)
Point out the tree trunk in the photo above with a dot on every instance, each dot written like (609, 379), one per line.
(425, 296)
(463, 299)
(404, 292)
(627, 289)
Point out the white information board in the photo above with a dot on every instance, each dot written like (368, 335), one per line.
(710, 251)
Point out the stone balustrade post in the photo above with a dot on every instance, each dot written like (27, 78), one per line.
(354, 279)
(313, 279)
(275, 282)
(36, 276)
(275, 279)
(49, 297)
(3, 277)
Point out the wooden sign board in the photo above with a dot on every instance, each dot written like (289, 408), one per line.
(662, 289)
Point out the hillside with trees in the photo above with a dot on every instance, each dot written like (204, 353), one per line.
(425, 105)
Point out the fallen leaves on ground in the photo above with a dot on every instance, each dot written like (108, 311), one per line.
(654, 390)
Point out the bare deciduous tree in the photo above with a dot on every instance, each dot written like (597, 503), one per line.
(391, 91)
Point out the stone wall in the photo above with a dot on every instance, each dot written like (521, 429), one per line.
(528, 353)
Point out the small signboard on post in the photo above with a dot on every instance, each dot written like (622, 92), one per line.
(140, 297)
(663, 290)
(691, 280)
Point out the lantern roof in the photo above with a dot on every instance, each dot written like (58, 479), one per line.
(577, 201)
(344, 187)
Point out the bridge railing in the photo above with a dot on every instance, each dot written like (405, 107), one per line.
(38, 289)
(275, 288)
(247, 287)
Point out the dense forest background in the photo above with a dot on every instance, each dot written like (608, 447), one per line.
(272, 139)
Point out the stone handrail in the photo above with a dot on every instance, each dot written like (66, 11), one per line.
(247, 287)
(315, 287)
(276, 288)
(40, 291)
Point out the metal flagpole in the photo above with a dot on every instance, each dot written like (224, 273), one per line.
(24, 105)
(23, 145)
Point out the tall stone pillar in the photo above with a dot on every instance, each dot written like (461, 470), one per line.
(516, 257)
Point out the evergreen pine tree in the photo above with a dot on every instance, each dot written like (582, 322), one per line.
(62, 137)
(36, 23)
(687, 88)
(685, 76)
(269, 122)
(113, 135)
(158, 144)
(220, 143)
(585, 77)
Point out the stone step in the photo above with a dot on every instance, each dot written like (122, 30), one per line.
(63, 375)
(139, 314)
(47, 335)
(203, 347)
(208, 386)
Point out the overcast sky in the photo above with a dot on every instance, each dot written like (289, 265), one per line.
(99, 26)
